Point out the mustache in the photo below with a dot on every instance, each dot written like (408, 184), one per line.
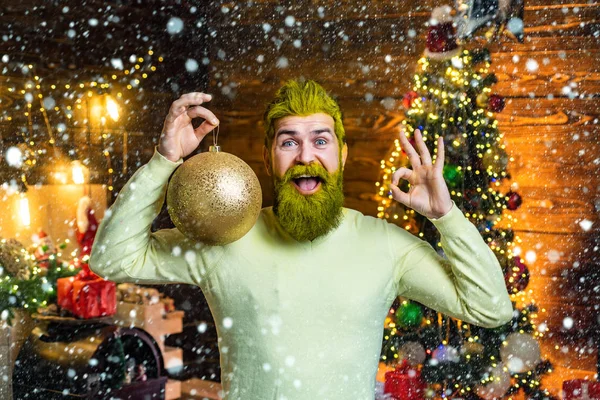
(315, 170)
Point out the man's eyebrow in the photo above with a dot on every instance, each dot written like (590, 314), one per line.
(314, 132)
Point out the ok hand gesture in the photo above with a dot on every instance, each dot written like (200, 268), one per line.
(178, 137)
(428, 194)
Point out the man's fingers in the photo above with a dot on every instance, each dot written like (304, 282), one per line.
(415, 161)
(210, 123)
(402, 172)
(201, 112)
(439, 161)
(204, 129)
(186, 101)
(399, 195)
(425, 156)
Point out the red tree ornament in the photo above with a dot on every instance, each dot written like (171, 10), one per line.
(409, 99)
(517, 277)
(405, 383)
(514, 200)
(496, 103)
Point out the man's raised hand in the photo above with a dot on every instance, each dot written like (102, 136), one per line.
(178, 137)
(428, 194)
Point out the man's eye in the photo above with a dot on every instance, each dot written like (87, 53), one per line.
(321, 142)
(287, 143)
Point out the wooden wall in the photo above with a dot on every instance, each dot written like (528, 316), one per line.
(550, 123)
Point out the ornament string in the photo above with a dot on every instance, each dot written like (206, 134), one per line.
(215, 136)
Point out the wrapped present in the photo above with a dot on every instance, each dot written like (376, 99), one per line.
(94, 298)
(86, 295)
(580, 389)
(404, 383)
(64, 292)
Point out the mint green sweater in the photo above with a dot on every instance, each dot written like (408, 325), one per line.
(301, 320)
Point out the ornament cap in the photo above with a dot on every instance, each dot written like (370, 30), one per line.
(214, 149)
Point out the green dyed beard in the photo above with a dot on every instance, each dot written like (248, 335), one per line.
(308, 217)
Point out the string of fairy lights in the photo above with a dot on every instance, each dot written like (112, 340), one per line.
(63, 103)
(74, 108)
(482, 125)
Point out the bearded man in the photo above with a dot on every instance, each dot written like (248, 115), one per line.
(300, 300)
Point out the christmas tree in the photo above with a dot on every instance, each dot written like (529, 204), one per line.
(28, 276)
(452, 97)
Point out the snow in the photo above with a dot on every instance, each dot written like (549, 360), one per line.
(568, 322)
(14, 157)
(531, 65)
(553, 256)
(530, 256)
(515, 25)
(282, 62)
(117, 63)
(48, 102)
(202, 327)
(290, 21)
(586, 225)
(191, 65)
(174, 26)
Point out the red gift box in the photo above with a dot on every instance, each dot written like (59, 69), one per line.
(64, 292)
(87, 295)
(404, 383)
(580, 389)
(94, 298)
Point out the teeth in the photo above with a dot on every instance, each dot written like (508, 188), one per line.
(304, 176)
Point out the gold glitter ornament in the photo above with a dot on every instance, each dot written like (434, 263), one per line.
(214, 197)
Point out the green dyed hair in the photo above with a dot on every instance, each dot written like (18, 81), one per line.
(302, 97)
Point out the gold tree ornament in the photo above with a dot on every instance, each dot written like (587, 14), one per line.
(14, 259)
(214, 197)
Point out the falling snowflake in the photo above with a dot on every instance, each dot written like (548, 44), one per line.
(174, 26)
(531, 65)
(282, 62)
(117, 63)
(14, 157)
(568, 322)
(586, 225)
(191, 65)
(290, 20)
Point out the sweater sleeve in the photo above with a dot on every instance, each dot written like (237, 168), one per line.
(125, 249)
(468, 284)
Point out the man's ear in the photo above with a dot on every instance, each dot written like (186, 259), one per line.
(267, 160)
(344, 154)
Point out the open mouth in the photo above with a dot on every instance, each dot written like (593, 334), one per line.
(307, 184)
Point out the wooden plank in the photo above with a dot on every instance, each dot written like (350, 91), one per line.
(358, 77)
(537, 18)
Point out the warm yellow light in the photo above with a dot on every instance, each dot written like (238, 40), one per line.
(78, 172)
(24, 210)
(112, 108)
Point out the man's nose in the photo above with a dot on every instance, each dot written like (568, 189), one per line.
(305, 155)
